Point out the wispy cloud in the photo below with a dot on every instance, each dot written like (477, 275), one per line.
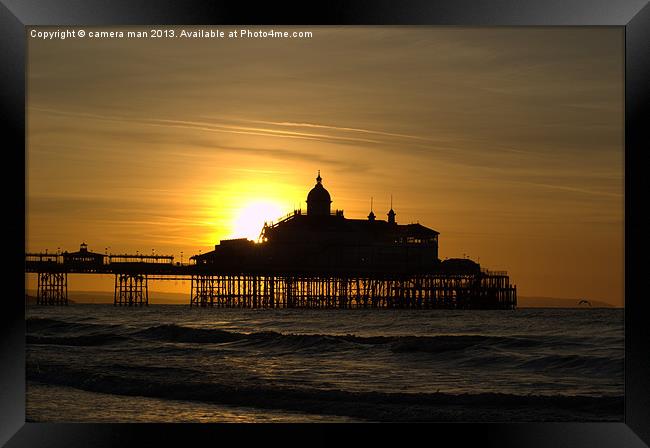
(210, 127)
(342, 129)
(575, 189)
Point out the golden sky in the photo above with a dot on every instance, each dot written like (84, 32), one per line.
(508, 141)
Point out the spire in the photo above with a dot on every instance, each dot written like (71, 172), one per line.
(319, 179)
(391, 213)
(371, 216)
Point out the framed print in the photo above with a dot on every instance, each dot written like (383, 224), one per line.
(428, 213)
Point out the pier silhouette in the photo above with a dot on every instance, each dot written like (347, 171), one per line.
(318, 259)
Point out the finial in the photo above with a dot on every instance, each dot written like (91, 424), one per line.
(319, 179)
(391, 212)
(371, 215)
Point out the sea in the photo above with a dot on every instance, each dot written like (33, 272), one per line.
(173, 363)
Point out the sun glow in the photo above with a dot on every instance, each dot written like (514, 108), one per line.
(250, 219)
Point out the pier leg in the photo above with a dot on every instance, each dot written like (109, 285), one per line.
(131, 290)
(52, 288)
(203, 290)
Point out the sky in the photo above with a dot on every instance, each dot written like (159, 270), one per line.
(508, 141)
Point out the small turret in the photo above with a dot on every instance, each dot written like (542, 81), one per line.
(391, 213)
(371, 216)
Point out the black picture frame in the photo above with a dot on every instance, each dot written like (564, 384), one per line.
(632, 15)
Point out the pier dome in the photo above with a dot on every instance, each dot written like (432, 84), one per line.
(318, 199)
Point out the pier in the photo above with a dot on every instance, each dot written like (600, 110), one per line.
(318, 259)
(266, 287)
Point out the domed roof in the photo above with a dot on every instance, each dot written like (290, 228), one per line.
(319, 193)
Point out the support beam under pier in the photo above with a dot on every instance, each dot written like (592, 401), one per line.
(423, 291)
(52, 288)
(131, 290)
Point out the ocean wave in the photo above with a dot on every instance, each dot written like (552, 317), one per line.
(272, 339)
(50, 330)
(177, 333)
(85, 340)
(587, 364)
(376, 406)
(40, 324)
(449, 343)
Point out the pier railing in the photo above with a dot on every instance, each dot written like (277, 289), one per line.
(494, 273)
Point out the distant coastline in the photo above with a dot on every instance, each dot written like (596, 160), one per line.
(175, 298)
(556, 302)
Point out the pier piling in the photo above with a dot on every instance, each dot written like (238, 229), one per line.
(52, 288)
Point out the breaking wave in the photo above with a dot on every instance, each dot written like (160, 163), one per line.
(376, 406)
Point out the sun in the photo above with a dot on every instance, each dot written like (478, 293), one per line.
(251, 217)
